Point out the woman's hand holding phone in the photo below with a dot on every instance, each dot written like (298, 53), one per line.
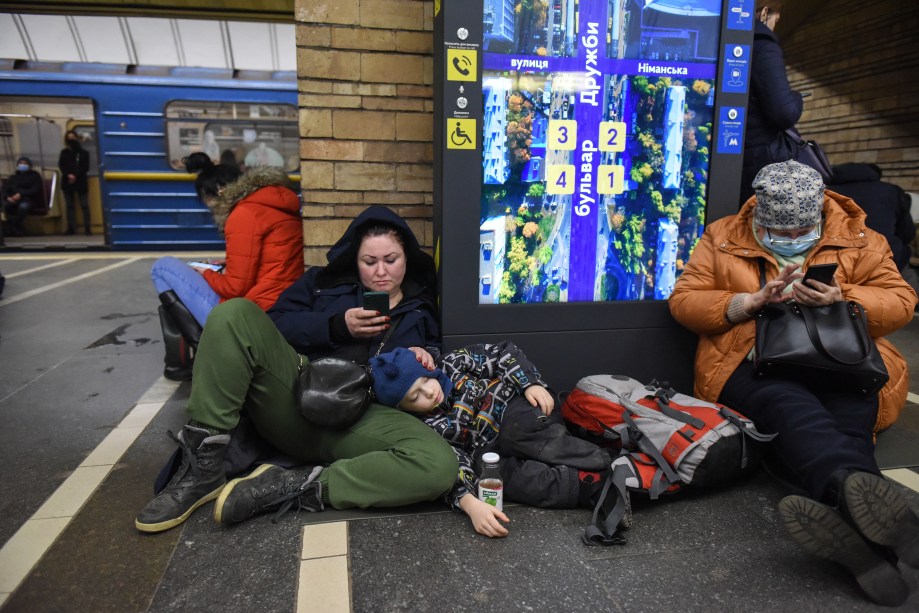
(370, 319)
(365, 324)
(818, 287)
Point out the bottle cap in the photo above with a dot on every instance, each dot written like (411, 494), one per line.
(491, 458)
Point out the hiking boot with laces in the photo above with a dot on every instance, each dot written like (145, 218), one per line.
(269, 488)
(198, 480)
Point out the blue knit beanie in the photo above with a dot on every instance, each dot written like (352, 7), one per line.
(395, 372)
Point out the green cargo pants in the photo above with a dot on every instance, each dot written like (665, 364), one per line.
(388, 458)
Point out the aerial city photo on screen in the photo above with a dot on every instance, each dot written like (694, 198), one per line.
(595, 146)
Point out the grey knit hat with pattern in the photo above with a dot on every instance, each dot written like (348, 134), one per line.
(789, 195)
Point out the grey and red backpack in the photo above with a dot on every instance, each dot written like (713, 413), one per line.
(665, 442)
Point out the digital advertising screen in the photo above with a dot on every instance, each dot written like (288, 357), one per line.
(596, 145)
(581, 146)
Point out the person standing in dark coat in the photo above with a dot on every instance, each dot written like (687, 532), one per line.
(21, 191)
(774, 106)
(74, 165)
(886, 205)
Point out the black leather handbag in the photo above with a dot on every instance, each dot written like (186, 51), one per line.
(828, 347)
(334, 392)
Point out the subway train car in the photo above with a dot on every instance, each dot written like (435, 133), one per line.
(137, 128)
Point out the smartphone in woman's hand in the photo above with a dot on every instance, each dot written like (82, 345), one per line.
(376, 301)
(820, 272)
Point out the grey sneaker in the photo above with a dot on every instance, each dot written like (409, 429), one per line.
(879, 511)
(269, 488)
(820, 530)
(198, 480)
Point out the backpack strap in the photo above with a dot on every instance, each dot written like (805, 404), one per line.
(676, 414)
(647, 447)
(605, 531)
(746, 427)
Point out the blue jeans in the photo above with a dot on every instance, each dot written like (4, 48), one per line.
(171, 273)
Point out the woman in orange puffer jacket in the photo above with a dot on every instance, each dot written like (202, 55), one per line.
(825, 441)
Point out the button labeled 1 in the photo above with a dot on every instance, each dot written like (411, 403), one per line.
(610, 180)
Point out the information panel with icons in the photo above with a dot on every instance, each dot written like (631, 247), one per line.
(596, 142)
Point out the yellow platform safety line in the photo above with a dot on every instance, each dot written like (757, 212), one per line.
(903, 476)
(324, 580)
(23, 551)
(161, 176)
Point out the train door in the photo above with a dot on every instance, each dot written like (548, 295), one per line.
(34, 127)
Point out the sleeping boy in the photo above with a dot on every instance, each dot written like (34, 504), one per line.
(490, 397)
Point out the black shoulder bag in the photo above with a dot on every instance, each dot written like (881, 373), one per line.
(810, 153)
(827, 348)
(334, 392)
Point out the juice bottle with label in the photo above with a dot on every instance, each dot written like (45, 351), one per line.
(491, 487)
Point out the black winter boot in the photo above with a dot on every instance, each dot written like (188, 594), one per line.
(821, 530)
(269, 488)
(183, 318)
(881, 514)
(198, 480)
(179, 358)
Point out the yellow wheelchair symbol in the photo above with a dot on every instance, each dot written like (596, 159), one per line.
(461, 133)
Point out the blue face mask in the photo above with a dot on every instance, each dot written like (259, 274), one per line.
(22, 167)
(787, 247)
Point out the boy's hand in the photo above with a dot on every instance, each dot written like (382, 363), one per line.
(538, 396)
(426, 359)
(486, 519)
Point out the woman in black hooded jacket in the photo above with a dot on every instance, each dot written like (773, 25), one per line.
(244, 361)
(313, 313)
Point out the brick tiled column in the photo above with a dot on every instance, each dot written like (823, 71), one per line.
(365, 70)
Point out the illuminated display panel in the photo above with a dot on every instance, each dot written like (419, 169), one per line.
(596, 144)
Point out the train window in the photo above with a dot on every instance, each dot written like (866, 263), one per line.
(7, 148)
(245, 134)
(34, 126)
